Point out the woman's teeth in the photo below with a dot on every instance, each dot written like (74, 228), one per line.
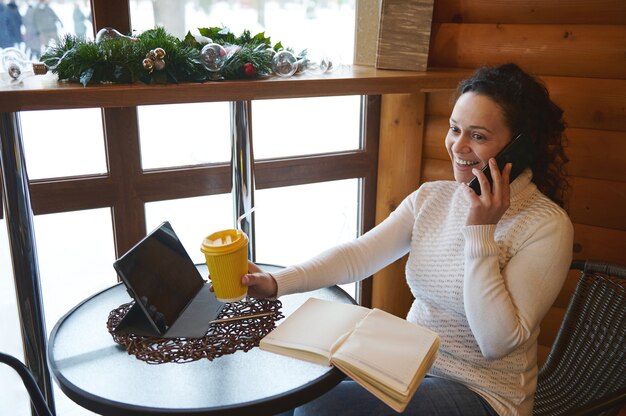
(465, 162)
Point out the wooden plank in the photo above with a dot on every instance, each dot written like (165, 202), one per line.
(597, 154)
(440, 103)
(598, 202)
(436, 170)
(590, 103)
(399, 157)
(314, 168)
(184, 182)
(592, 202)
(111, 13)
(601, 12)
(72, 194)
(570, 50)
(598, 243)
(404, 34)
(44, 92)
(124, 165)
(434, 138)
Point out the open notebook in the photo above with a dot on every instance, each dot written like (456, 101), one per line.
(171, 298)
(387, 355)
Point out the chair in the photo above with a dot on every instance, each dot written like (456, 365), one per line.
(585, 372)
(36, 398)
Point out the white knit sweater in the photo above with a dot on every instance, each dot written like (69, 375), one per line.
(484, 289)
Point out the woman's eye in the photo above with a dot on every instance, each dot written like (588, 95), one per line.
(454, 129)
(477, 137)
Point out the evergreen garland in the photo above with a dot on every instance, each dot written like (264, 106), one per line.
(120, 60)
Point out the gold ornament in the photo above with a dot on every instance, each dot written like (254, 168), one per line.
(159, 53)
(148, 64)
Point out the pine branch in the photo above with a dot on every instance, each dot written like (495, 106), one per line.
(121, 60)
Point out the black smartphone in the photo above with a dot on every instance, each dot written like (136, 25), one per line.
(519, 152)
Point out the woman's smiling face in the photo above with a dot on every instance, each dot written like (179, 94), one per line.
(478, 131)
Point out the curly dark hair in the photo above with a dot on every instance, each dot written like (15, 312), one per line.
(528, 109)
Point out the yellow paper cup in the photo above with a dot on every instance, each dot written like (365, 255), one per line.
(226, 254)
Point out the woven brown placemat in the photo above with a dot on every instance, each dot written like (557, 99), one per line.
(222, 337)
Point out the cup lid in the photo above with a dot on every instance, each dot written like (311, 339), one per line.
(223, 241)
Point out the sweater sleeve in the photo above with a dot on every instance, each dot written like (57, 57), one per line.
(505, 308)
(356, 259)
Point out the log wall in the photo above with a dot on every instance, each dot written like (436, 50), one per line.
(578, 49)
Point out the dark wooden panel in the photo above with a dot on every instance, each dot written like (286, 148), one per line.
(367, 215)
(601, 12)
(184, 183)
(570, 50)
(111, 13)
(308, 169)
(73, 194)
(597, 243)
(599, 203)
(121, 136)
(598, 154)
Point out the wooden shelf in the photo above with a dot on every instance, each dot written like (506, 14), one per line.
(45, 92)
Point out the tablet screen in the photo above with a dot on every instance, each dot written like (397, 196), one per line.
(160, 275)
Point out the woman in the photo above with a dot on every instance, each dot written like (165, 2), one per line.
(484, 269)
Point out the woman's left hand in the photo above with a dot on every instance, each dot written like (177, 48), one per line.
(494, 200)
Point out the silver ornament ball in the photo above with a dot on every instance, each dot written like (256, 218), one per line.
(213, 57)
(284, 64)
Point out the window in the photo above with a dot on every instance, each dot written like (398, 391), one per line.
(54, 156)
(174, 159)
(183, 134)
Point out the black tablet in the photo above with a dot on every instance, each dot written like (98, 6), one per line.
(167, 287)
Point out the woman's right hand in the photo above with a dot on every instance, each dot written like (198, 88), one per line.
(260, 284)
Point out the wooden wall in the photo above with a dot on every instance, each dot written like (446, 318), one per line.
(578, 48)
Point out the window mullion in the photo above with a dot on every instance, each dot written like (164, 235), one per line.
(242, 166)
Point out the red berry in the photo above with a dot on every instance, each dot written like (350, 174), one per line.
(249, 70)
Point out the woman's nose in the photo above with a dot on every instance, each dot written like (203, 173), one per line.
(461, 144)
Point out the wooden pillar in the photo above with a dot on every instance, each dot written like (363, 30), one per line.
(399, 166)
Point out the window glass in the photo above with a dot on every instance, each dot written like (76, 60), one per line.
(61, 143)
(301, 126)
(76, 254)
(294, 223)
(192, 219)
(184, 134)
(35, 25)
(325, 26)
